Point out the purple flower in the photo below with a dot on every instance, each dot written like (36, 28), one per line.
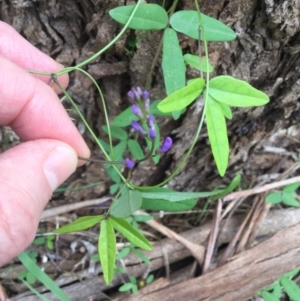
(138, 93)
(152, 134)
(137, 127)
(130, 95)
(146, 95)
(136, 111)
(151, 121)
(165, 146)
(129, 163)
(147, 104)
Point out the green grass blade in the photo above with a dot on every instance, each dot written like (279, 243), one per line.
(33, 268)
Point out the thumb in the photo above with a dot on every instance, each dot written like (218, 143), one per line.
(29, 173)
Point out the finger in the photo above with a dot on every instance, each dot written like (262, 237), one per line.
(29, 174)
(33, 110)
(18, 50)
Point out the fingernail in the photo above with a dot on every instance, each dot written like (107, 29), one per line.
(60, 164)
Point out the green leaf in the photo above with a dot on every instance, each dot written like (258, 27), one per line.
(104, 145)
(115, 132)
(135, 149)
(175, 196)
(119, 150)
(268, 296)
(234, 183)
(168, 206)
(172, 62)
(292, 187)
(146, 17)
(235, 92)
(135, 289)
(217, 134)
(107, 250)
(226, 110)
(130, 233)
(150, 279)
(292, 273)
(79, 224)
(141, 255)
(274, 197)
(143, 218)
(187, 22)
(173, 65)
(112, 173)
(30, 278)
(183, 97)
(124, 118)
(155, 111)
(129, 202)
(114, 188)
(177, 114)
(194, 61)
(126, 287)
(289, 199)
(291, 288)
(124, 252)
(34, 269)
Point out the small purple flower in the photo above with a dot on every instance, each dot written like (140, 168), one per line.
(129, 163)
(138, 93)
(165, 146)
(130, 95)
(137, 127)
(136, 111)
(152, 134)
(151, 121)
(147, 104)
(145, 95)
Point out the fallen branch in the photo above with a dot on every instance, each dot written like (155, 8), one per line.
(246, 273)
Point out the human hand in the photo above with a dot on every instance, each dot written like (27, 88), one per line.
(31, 171)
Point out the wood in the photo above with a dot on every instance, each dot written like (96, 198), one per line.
(242, 277)
(76, 290)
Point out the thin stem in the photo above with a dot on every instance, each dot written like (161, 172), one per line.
(87, 126)
(100, 161)
(93, 57)
(199, 49)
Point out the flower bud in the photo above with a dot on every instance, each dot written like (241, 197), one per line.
(130, 96)
(165, 146)
(137, 127)
(151, 121)
(129, 163)
(136, 111)
(152, 134)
